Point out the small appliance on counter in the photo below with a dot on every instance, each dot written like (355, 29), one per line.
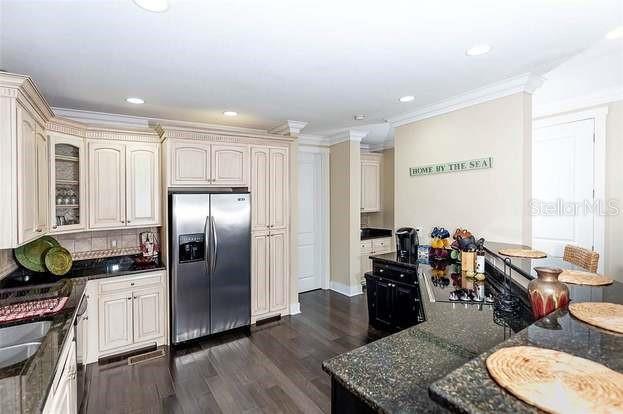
(407, 242)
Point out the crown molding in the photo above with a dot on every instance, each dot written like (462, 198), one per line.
(70, 127)
(312, 140)
(216, 133)
(602, 97)
(292, 128)
(527, 83)
(348, 135)
(102, 118)
(24, 89)
(382, 146)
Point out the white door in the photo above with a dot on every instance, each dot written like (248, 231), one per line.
(143, 184)
(309, 243)
(562, 187)
(106, 184)
(148, 312)
(115, 320)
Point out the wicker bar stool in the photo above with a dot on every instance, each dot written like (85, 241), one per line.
(582, 257)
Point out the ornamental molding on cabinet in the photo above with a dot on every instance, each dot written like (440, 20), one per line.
(452, 167)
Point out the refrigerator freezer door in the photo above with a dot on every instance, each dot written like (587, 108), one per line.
(190, 278)
(231, 261)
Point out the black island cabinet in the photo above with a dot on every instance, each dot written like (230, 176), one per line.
(394, 299)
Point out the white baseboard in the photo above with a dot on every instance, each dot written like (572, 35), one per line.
(295, 308)
(346, 290)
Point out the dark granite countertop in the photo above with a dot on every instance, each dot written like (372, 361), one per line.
(393, 374)
(471, 389)
(410, 262)
(29, 381)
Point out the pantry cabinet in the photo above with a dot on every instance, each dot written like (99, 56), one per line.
(370, 183)
(270, 188)
(278, 270)
(208, 164)
(124, 184)
(260, 273)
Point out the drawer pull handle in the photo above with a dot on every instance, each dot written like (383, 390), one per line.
(130, 298)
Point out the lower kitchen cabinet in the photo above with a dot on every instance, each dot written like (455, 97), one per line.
(269, 274)
(125, 313)
(393, 305)
(371, 247)
(63, 394)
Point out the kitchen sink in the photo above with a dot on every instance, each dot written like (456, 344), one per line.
(25, 333)
(20, 342)
(17, 353)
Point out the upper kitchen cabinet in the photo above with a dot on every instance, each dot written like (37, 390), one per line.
(24, 161)
(68, 169)
(270, 188)
(196, 163)
(370, 183)
(124, 182)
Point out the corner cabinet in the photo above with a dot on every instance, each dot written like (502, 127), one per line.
(270, 263)
(195, 163)
(124, 184)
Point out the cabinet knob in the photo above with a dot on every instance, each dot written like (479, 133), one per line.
(380, 270)
(134, 297)
(123, 221)
(132, 284)
(401, 275)
(130, 298)
(54, 226)
(39, 230)
(129, 221)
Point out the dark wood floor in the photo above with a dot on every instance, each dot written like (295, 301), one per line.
(275, 369)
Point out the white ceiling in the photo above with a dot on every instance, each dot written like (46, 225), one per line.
(318, 61)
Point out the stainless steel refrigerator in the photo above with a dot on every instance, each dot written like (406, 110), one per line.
(210, 263)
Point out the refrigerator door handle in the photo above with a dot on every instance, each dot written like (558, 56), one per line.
(207, 223)
(215, 248)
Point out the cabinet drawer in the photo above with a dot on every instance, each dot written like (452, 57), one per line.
(396, 273)
(132, 282)
(366, 246)
(382, 245)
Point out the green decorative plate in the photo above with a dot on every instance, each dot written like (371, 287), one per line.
(58, 260)
(31, 255)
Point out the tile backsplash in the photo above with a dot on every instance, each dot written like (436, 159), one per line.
(103, 243)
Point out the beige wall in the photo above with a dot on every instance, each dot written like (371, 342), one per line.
(345, 183)
(614, 190)
(493, 203)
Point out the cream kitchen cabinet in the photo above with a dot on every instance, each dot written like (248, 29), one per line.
(63, 395)
(68, 170)
(269, 274)
(270, 188)
(125, 313)
(124, 184)
(374, 246)
(370, 183)
(195, 163)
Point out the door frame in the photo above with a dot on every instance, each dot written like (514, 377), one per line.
(599, 116)
(324, 229)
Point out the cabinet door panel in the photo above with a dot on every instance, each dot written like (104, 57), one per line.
(27, 177)
(383, 303)
(370, 186)
(67, 172)
(260, 274)
(406, 306)
(143, 184)
(260, 161)
(115, 320)
(148, 314)
(279, 188)
(43, 180)
(106, 184)
(190, 163)
(230, 165)
(278, 243)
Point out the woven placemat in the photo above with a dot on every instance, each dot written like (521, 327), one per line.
(527, 253)
(601, 314)
(557, 382)
(579, 277)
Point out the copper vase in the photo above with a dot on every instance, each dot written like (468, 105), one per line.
(546, 292)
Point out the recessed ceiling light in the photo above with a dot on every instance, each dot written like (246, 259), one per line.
(615, 33)
(407, 98)
(153, 5)
(360, 117)
(230, 113)
(136, 101)
(478, 50)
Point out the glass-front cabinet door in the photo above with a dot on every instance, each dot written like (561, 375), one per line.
(68, 178)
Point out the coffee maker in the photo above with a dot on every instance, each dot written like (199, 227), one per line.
(407, 242)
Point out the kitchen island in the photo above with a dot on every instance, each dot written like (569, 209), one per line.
(438, 365)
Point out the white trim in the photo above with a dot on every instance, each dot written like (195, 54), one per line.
(311, 140)
(527, 83)
(101, 118)
(381, 146)
(292, 128)
(325, 231)
(295, 308)
(602, 97)
(599, 116)
(346, 290)
(348, 135)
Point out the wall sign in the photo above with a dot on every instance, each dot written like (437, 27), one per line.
(451, 167)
